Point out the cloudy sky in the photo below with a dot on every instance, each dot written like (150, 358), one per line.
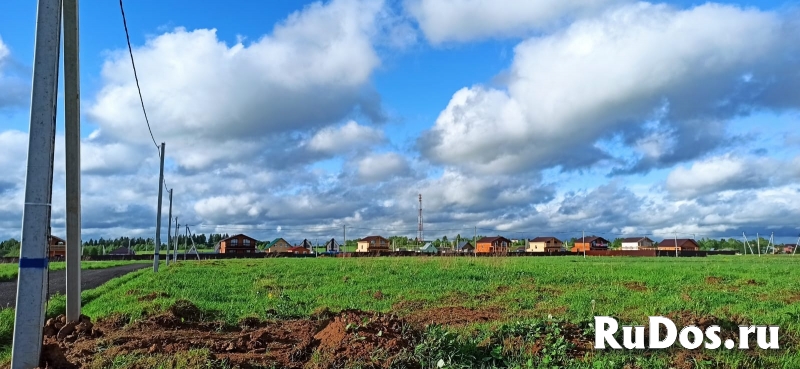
(522, 118)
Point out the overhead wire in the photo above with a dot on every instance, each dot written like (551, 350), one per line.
(136, 76)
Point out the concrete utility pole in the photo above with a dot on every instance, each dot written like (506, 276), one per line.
(169, 225)
(72, 151)
(758, 244)
(583, 241)
(344, 235)
(157, 248)
(31, 293)
(676, 245)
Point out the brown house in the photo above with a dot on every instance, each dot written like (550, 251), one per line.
(57, 247)
(497, 244)
(590, 243)
(278, 245)
(298, 250)
(373, 243)
(238, 244)
(684, 244)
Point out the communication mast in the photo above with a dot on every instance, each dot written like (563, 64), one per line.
(420, 234)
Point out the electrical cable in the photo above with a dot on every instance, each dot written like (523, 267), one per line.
(130, 51)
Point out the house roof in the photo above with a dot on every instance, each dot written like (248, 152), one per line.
(275, 241)
(332, 242)
(306, 243)
(239, 235)
(590, 239)
(298, 248)
(636, 239)
(464, 244)
(122, 251)
(373, 238)
(545, 239)
(492, 239)
(670, 242)
(428, 246)
(55, 240)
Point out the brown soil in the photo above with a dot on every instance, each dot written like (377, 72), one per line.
(686, 359)
(152, 296)
(636, 286)
(350, 338)
(408, 306)
(793, 298)
(713, 280)
(452, 316)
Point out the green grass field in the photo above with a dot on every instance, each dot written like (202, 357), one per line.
(526, 291)
(8, 272)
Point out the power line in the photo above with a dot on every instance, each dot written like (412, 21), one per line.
(130, 51)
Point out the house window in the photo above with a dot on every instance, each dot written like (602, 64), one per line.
(234, 242)
(246, 242)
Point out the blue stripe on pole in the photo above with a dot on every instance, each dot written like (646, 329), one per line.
(33, 263)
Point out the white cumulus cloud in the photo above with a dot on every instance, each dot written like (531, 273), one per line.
(568, 90)
(468, 20)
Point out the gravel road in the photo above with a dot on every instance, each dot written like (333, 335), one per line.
(90, 278)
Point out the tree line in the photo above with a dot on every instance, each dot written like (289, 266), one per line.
(101, 246)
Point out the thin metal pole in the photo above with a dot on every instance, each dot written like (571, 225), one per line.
(184, 242)
(169, 225)
(31, 293)
(72, 151)
(175, 243)
(344, 234)
(157, 248)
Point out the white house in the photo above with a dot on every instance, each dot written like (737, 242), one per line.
(637, 243)
(544, 244)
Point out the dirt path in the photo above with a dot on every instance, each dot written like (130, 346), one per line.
(90, 278)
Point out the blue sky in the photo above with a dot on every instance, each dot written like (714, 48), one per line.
(532, 118)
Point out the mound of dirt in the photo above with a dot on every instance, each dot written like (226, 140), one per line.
(713, 280)
(452, 316)
(347, 338)
(367, 340)
(184, 309)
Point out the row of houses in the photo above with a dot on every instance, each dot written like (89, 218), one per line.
(241, 243)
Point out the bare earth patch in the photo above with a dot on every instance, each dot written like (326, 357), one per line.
(368, 340)
(452, 316)
(635, 286)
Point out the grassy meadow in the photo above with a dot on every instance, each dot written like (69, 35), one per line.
(525, 291)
